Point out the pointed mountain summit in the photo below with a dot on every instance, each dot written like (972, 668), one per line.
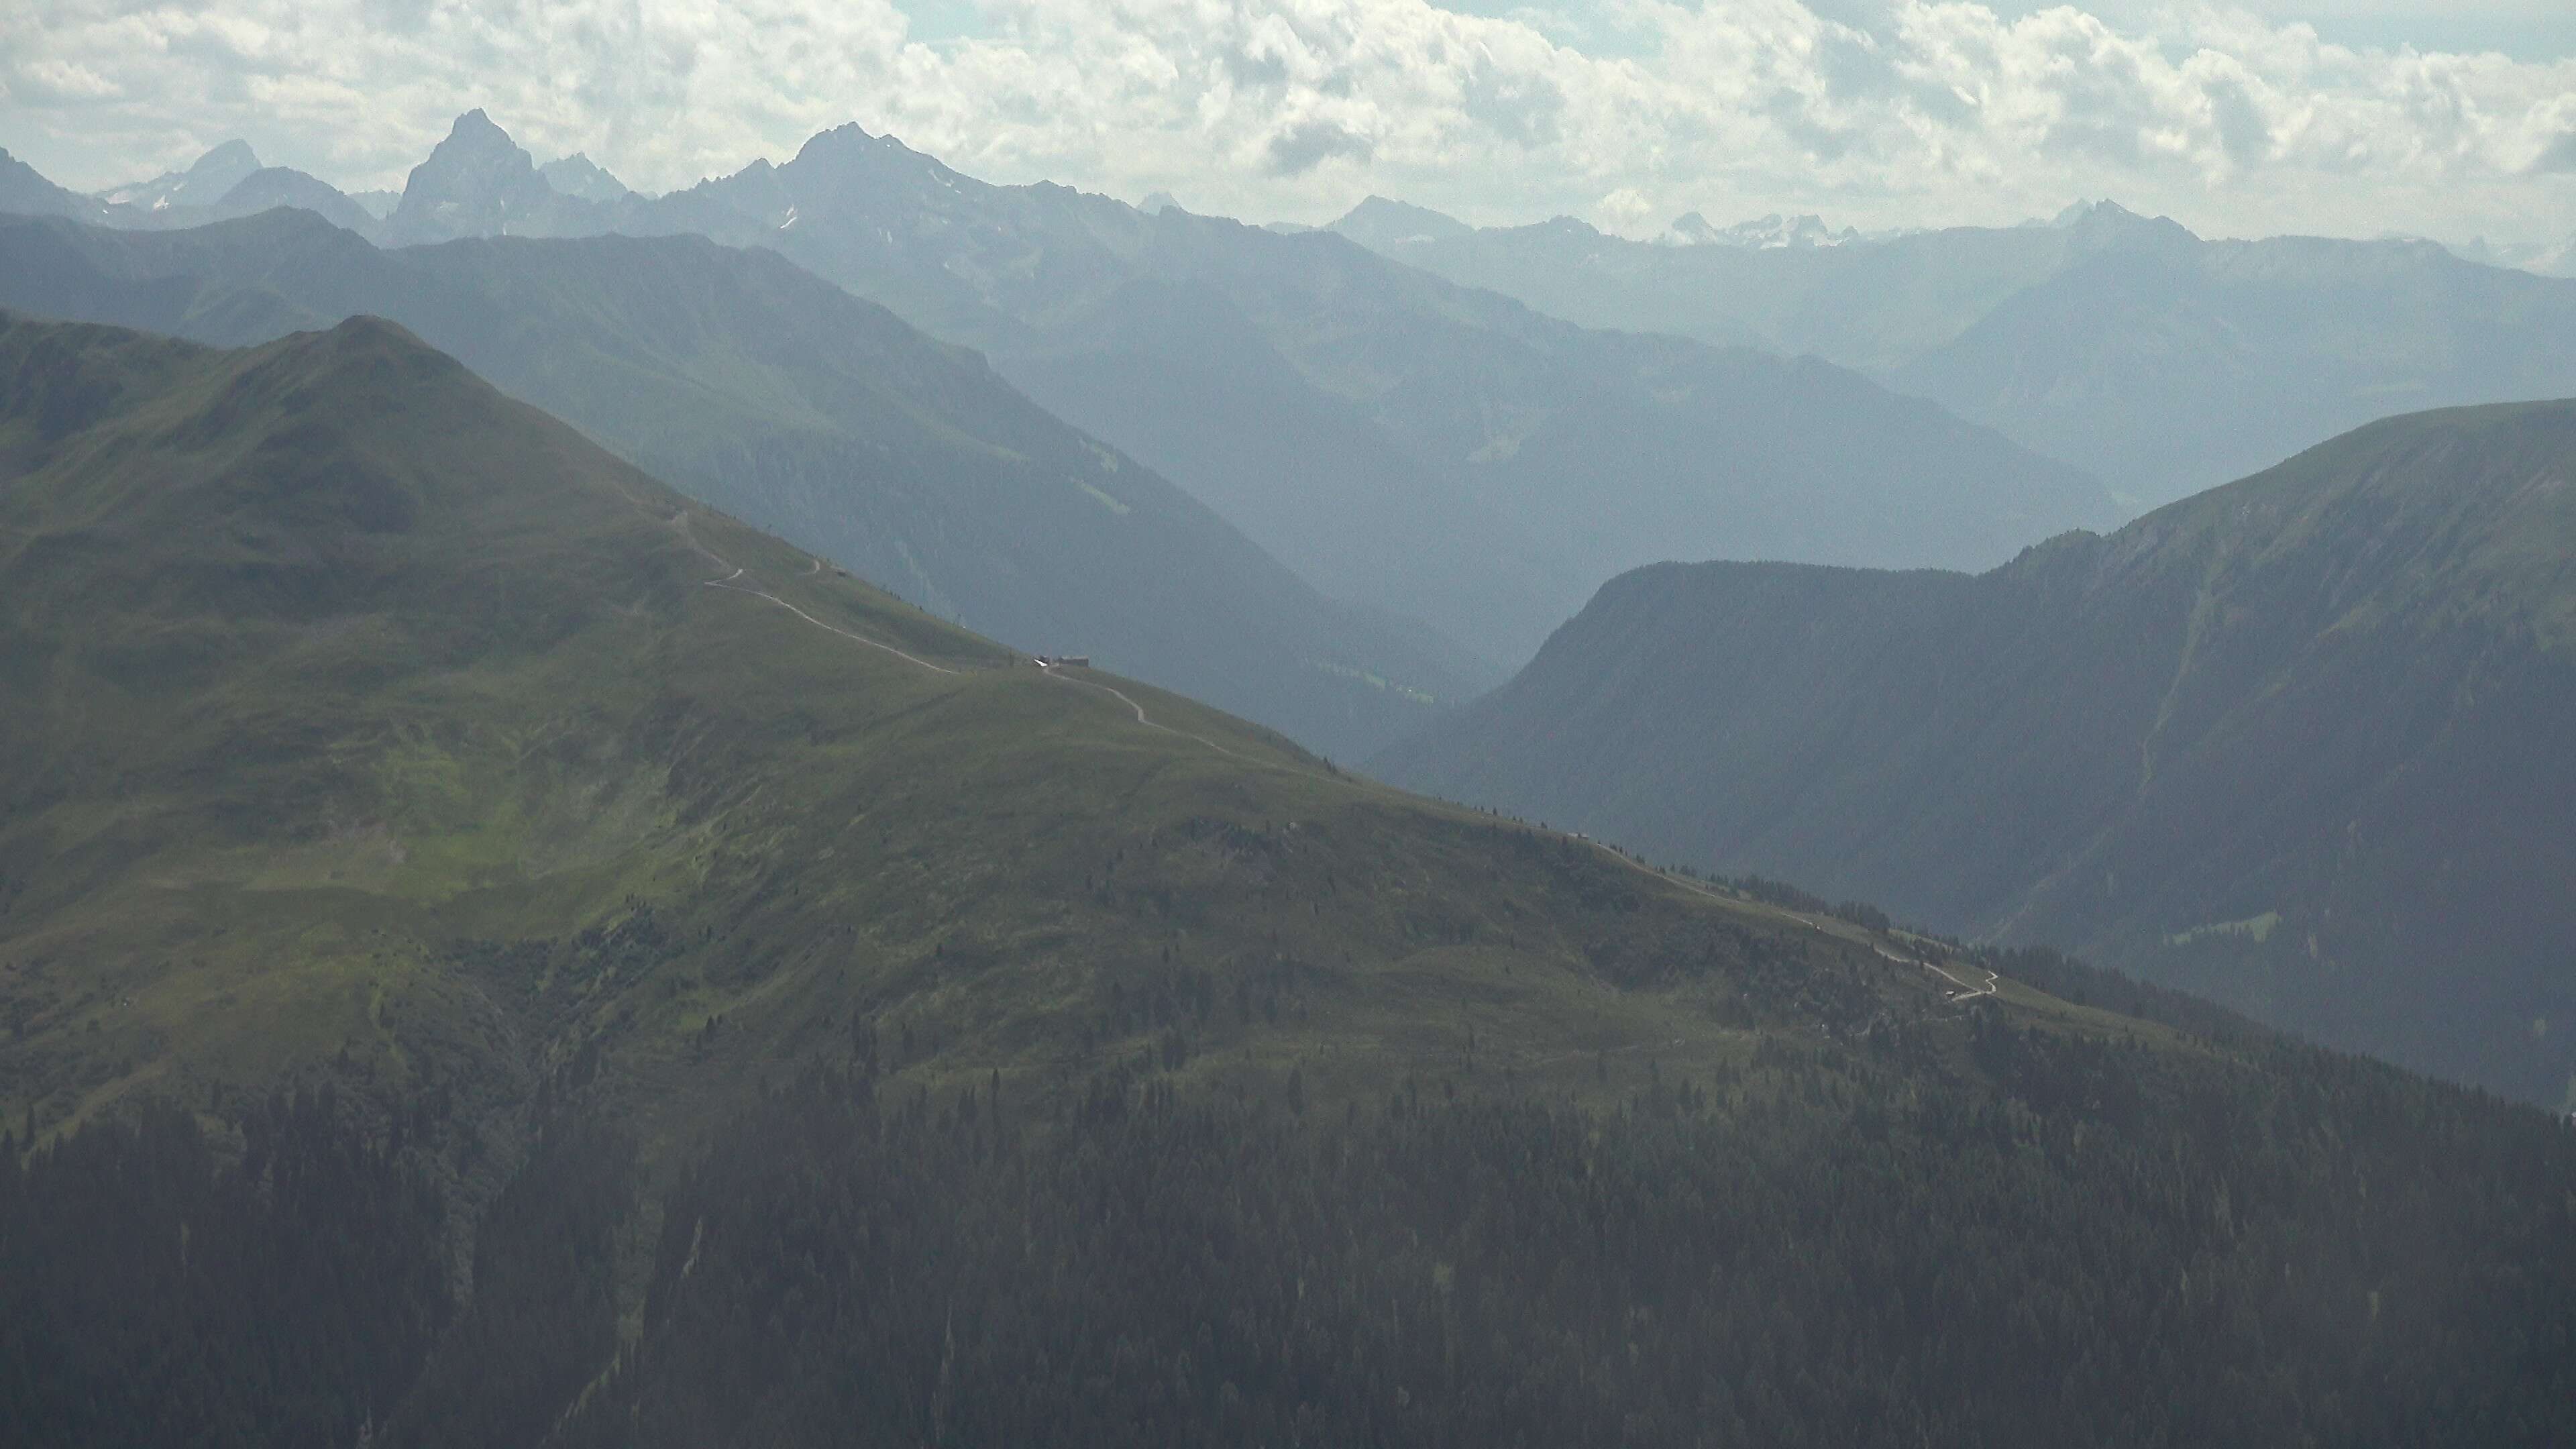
(479, 182)
(202, 184)
(1691, 229)
(1381, 223)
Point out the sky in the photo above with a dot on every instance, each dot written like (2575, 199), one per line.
(2338, 117)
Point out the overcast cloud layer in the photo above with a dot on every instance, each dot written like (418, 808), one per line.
(1625, 112)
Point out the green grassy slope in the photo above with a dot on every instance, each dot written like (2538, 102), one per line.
(2292, 743)
(771, 394)
(372, 724)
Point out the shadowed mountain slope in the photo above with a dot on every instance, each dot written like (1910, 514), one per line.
(2295, 743)
(767, 392)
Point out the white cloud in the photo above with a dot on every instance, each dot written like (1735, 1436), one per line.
(1889, 111)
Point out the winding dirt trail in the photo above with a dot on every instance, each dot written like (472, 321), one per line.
(727, 583)
(1054, 671)
(730, 583)
(680, 521)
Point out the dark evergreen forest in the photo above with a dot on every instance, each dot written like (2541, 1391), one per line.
(1819, 1249)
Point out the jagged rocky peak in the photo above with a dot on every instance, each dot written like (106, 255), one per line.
(583, 179)
(1158, 203)
(477, 182)
(1768, 233)
(476, 141)
(233, 159)
(2102, 213)
(2107, 222)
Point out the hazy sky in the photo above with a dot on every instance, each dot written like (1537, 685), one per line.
(2340, 116)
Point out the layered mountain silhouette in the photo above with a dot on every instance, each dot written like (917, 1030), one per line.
(226, 182)
(2296, 743)
(784, 400)
(1450, 455)
(2161, 362)
(1428, 453)
(1425, 453)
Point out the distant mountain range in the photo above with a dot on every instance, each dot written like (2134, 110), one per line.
(784, 400)
(2299, 743)
(2552, 259)
(474, 185)
(2161, 362)
(1435, 452)
(1423, 452)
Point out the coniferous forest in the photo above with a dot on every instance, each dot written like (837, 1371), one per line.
(1813, 1250)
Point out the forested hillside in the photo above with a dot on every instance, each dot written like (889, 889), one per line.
(2291, 743)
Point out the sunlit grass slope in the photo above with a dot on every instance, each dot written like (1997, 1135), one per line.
(367, 726)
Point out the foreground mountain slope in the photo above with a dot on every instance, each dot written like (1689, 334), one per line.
(363, 708)
(767, 392)
(2161, 362)
(2294, 743)
(639, 987)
